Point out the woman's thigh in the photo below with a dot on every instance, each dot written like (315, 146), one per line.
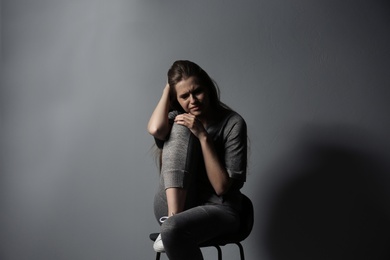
(204, 222)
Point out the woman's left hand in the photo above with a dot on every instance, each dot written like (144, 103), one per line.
(190, 121)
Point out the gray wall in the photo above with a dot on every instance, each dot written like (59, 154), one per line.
(80, 79)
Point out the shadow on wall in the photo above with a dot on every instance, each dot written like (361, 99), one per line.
(330, 201)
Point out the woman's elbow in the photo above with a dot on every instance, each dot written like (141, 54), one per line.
(223, 188)
(221, 191)
(152, 130)
(157, 132)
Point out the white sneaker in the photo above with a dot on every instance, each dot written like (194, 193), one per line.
(158, 244)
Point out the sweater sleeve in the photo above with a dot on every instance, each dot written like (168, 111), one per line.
(235, 147)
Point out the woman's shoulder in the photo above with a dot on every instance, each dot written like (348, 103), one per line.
(229, 120)
(234, 117)
(234, 127)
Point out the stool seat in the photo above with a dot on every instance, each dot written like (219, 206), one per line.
(246, 225)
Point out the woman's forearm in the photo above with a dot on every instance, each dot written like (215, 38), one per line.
(158, 125)
(216, 172)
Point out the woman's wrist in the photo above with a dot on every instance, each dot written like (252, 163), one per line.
(204, 137)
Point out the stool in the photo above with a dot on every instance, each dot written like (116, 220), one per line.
(247, 219)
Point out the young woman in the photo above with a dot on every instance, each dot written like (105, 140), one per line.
(203, 162)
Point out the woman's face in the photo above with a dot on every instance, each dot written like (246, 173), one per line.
(192, 97)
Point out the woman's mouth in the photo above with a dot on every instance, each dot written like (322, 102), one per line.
(194, 108)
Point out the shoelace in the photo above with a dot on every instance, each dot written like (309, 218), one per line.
(162, 219)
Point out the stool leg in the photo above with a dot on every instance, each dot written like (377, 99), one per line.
(158, 254)
(242, 256)
(219, 252)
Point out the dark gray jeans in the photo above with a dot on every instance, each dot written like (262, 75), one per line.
(183, 232)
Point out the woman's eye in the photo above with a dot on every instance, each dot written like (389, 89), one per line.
(198, 91)
(184, 97)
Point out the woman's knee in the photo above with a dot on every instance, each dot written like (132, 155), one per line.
(178, 242)
(172, 230)
(179, 136)
(180, 130)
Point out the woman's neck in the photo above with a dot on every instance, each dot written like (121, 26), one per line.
(212, 116)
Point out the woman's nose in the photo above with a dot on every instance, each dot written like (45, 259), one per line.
(193, 99)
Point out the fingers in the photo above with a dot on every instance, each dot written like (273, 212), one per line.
(189, 121)
(185, 119)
